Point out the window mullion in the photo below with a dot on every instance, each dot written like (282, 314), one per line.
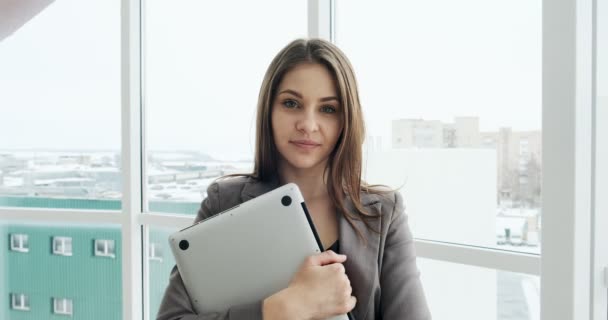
(319, 19)
(131, 159)
(600, 167)
(480, 257)
(600, 160)
(567, 150)
(38, 215)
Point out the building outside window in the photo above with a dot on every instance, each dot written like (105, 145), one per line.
(105, 248)
(62, 246)
(20, 301)
(156, 252)
(20, 243)
(62, 306)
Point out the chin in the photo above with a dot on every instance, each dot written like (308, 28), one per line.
(303, 164)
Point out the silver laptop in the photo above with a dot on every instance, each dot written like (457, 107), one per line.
(248, 252)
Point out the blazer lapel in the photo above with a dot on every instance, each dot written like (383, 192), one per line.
(362, 260)
(254, 188)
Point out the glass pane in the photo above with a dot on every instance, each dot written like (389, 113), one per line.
(25, 241)
(456, 291)
(15, 241)
(57, 245)
(204, 65)
(67, 245)
(94, 285)
(100, 247)
(111, 249)
(60, 99)
(453, 112)
(57, 305)
(159, 269)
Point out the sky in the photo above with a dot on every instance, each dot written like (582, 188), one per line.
(204, 63)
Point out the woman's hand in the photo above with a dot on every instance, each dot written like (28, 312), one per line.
(320, 289)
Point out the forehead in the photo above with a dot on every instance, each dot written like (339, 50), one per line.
(309, 79)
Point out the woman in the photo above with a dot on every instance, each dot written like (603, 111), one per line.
(310, 131)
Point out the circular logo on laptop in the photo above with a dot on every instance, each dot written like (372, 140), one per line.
(184, 244)
(286, 201)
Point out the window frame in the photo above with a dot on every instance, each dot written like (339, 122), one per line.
(599, 264)
(105, 243)
(24, 300)
(62, 241)
(21, 247)
(66, 309)
(569, 142)
(153, 249)
(568, 63)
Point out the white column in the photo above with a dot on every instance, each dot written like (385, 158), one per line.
(131, 160)
(567, 167)
(600, 261)
(320, 19)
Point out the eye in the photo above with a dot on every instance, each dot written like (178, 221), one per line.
(328, 109)
(290, 104)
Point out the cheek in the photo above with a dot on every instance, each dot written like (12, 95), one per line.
(277, 125)
(335, 129)
(274, 122)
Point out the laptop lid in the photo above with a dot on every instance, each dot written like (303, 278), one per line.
(246, 253)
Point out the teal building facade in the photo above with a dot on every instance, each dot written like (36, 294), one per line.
(93, 283)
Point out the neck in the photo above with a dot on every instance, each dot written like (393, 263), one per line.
(311, 182)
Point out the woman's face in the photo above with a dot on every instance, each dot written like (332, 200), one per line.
(306, 117)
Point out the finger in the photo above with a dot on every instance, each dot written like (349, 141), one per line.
(337, 267)
(349, 305)
(352, 302)
(326, 257)
(338, 254)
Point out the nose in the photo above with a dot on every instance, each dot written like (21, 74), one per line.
(308, 121)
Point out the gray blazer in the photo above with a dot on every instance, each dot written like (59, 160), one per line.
(383, 274)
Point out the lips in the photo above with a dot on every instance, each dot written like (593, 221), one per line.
(305, 144)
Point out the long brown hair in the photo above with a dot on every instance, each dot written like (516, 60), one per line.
(344, 165)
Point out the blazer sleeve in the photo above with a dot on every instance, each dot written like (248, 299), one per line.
(402, 294)
(176, 303)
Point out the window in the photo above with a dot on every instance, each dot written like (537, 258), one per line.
(20, 243)
(62, 246)
(20, 301)
(62, 306)
(479, 293)
(439, 97)
(50, 162)
(156, 252)
(185, 84)
(104, 248)
(159, 270)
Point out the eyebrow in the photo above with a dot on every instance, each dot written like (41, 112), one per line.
(297, 94)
